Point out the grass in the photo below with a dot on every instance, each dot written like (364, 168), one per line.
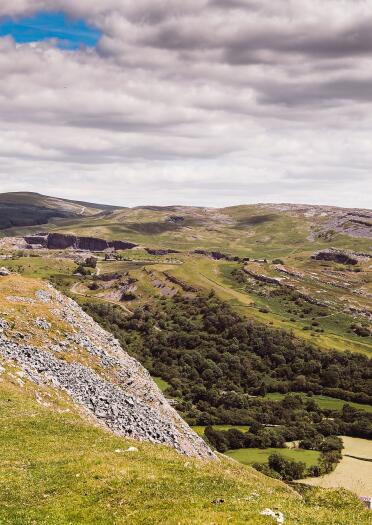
(162, 384)
(41, 267)
(324, 402)
(199, 429)
(58, 469)
(247, 456)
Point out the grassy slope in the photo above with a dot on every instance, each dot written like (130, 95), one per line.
(209, 274)
(55, 468)
(40, 267)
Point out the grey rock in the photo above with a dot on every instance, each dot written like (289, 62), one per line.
(42, 323)
(120, 393)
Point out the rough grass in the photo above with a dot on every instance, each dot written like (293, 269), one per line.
(41, 267)
(247, 456)
(57, 469)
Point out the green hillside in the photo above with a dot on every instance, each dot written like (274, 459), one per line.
(56, 468)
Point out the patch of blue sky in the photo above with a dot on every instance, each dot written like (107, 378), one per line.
(69, 33)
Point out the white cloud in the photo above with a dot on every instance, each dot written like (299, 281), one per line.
(199, 102)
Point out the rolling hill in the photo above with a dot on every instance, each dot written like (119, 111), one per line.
(20, 209)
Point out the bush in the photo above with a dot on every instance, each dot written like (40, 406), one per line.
(362, 331)
(265, 469)
(82, 270)
(288, 470)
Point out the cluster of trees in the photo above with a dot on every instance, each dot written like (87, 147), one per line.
(84, 268)
(216, 362)
(258, 436)
(289, 470)
(278, 466)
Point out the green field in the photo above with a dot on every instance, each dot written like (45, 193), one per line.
(162, 384)
(199, 429)
(324, 402)
(247, 456)
(42, 267)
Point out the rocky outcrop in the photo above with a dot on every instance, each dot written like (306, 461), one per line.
(182, 284)
(262, 278)
(218, 256)
(151, 251)
(40, 240)
(62, 241)
(176, 219)
(115, 390)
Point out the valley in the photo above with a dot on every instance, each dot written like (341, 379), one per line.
(253, 321)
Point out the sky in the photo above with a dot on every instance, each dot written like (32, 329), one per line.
(204, 102)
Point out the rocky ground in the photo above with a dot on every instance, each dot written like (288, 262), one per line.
(55, 343)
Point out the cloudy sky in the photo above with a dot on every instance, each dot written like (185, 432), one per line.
(206, 102)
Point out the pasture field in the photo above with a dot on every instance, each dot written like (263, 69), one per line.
(247, 456)
(351, 473)
(324, 402)
(199, 429)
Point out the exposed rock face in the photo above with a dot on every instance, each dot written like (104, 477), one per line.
(355, 222)
(62, 241)
(262, 278)
(185, 286)
(117, 390)
(176, 219)
(218, 256)
(151, 251)
(41, 240)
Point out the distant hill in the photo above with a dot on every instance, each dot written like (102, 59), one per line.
(258, 230)
(18, 209)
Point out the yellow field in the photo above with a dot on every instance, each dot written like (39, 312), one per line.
(353, 474)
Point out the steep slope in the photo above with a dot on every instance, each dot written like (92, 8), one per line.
(55, 343)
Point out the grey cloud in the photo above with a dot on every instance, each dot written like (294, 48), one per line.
(204, 98)
(315, 93)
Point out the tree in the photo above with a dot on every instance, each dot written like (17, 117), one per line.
(216, 439)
